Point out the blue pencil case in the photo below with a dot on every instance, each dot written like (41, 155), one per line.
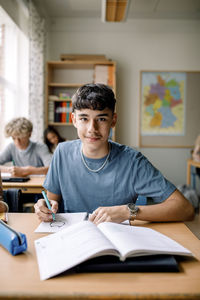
(15, 242)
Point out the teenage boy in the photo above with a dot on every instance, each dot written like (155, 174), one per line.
(102, 177)
(27, 157)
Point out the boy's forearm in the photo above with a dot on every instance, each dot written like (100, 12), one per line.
(175, 208)
(37, 170)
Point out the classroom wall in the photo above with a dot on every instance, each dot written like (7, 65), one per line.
(135, 45)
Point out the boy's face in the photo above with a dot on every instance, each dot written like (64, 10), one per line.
(21, 142)
(93, 126)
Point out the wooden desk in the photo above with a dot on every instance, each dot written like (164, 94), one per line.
(34, 185)
(19, 276)
(190, 163)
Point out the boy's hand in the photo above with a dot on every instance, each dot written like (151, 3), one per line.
(42, 211)
(116, 214)
(19, 171)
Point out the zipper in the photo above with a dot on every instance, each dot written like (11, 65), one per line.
(14, 231)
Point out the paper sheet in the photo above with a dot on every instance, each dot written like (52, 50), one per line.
(3, 174)
(63, 220)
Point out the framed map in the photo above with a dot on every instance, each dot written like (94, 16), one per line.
(167, 102)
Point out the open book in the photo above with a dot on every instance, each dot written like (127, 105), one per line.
(82, 241)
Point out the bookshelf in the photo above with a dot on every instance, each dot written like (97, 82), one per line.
(63, 78)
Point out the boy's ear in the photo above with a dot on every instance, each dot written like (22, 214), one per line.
(114, 120)
(74, 119)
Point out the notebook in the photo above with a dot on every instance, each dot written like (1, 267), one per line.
(15, 179)
(151, 263)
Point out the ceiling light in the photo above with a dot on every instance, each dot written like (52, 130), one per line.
(114, 10)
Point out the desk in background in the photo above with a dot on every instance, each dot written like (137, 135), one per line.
(32, 186)
(19, 276)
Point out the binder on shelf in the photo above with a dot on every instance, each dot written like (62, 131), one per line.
(70, 112)
(64, 112)
(68, 108)
(57, 112)
(51, 111)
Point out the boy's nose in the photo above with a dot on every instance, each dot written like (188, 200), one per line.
(92, 126)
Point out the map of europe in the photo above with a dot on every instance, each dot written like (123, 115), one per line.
(163, 103)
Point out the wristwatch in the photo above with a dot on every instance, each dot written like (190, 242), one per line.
(133, 209)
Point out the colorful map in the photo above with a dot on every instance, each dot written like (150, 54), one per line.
(163, 103)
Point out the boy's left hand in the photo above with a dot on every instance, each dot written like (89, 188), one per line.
(116, 214)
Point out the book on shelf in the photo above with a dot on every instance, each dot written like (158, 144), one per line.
(83, 241)
(51, 111)
(64, 111)
(64, 96)
(57, 112)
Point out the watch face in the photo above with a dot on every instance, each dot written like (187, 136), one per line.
(131, 206)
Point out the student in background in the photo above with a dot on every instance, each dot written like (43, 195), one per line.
(52, 138)
(196, 151)
(104, 178)
(3, 205)
(26, 156)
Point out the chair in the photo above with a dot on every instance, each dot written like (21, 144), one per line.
(13, 198)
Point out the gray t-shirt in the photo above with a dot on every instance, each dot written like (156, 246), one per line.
(126, 175)
(36, 155)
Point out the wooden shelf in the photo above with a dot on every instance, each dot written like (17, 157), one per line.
(66, 85)
(60, 124)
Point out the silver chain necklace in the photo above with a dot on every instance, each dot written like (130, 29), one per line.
(99, 169)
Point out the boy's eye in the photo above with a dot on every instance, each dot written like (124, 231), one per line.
(83, 119)
(101, 119)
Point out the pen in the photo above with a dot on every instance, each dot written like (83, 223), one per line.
(48, 204)
(13, 162)
(86, 217)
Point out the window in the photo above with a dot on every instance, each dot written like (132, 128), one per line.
(14, 73)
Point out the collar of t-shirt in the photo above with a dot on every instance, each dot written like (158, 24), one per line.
(24, 151)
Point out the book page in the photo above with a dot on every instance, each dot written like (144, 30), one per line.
(69, 247)
(137, 241)
(63, 220)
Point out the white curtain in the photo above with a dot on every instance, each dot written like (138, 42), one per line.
(14, 73)
(36, 62)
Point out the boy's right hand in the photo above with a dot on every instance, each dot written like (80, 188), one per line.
(42, 211)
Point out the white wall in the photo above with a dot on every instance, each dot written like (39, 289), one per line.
(135, 45)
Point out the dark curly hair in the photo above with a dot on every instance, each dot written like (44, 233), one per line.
(94, 96)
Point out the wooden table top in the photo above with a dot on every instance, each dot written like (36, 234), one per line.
(19, 276)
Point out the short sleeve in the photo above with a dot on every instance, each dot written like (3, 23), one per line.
(52, 183)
